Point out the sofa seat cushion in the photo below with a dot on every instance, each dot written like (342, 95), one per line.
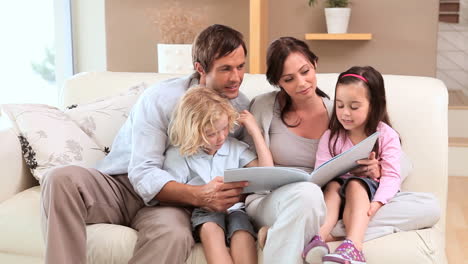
(419, 246)
(22, 237)
(19, 259)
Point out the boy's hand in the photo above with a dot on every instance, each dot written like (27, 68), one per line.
(248, 121)
(374, 206)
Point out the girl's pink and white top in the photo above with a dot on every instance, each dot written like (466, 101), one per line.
(389, 157)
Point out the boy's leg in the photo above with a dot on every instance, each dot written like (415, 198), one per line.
(241, 235)
(73, 196)
(164, 234)
(243, 249)
(213, 241)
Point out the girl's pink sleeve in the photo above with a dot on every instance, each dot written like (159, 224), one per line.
(323, 154)
(390, 153)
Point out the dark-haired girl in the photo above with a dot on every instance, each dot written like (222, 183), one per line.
(359, 111)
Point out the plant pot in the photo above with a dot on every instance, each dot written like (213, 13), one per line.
(337, 19)
(175, 58)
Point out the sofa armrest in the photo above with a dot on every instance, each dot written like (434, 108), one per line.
(15, 175)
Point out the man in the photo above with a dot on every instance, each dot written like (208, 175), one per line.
(129, 187)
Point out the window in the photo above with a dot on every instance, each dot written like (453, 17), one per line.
(29, 50)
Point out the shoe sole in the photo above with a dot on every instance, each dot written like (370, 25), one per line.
(338, 260)
(315, 255)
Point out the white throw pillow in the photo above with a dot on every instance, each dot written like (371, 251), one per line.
(49, 138)
(102, 119)
(81, 135)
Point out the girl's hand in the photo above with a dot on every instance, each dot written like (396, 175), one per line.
(369, 168)
(374, 206)
(248, 121)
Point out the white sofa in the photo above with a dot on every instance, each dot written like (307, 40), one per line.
(418, 109)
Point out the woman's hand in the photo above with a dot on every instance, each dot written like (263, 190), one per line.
(374, 206)
(248, 121)
(369, 168)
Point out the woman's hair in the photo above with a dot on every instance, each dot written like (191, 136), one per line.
(196, 112)
(277, 53)
(373, 82)
(214, 42)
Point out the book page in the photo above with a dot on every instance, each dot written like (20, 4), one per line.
(344, 162)
(265, 178)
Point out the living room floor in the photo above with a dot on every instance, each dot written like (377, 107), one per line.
(457, 220)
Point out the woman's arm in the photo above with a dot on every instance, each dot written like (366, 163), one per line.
(263, 152)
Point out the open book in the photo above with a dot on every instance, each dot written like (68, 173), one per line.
(269, 178)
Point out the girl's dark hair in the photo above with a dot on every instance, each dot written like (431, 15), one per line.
(214, 42)
(377, 104)
(277, 53)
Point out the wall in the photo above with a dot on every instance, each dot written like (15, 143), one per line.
(89, 35)
(132, 35)
(404, 32)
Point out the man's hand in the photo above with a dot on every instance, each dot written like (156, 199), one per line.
(219, 196)
(369, 167)
(374, 206)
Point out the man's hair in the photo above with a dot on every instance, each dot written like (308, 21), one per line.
(196, 112)
(214, 42)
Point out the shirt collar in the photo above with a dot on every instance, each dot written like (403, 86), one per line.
(223, 151)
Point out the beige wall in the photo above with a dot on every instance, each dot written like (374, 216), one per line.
(404, 42)
(132, 36)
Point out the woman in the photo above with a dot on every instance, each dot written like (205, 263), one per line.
(299, 114)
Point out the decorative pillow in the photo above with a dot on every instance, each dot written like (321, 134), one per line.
(81, 135)
(49, 138)
(102, 119)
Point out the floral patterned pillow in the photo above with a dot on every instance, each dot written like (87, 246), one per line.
(49, 138)
(81, 135)
(102, 119)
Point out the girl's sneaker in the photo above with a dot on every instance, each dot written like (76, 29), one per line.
(346, 253)
(315, 250)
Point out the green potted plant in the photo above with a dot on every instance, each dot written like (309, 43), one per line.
(337, 15)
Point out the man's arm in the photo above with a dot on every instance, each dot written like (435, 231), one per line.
(146, 173)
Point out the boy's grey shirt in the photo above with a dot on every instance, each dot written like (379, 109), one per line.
(140, 145)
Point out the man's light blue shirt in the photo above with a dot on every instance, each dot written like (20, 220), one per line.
(140, 145)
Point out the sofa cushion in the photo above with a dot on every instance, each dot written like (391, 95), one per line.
(102, 119)
(21, 235)
(81, 135)
(50, 138)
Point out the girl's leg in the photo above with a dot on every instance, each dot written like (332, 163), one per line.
(213, 242)
(355, 216)
(333, 201)
(243, 248)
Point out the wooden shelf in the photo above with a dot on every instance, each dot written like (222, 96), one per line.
(347, 36)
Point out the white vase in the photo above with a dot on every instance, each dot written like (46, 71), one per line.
(337, 19)
(175, 58)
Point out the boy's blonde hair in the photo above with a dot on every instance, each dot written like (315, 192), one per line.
(196, 112)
